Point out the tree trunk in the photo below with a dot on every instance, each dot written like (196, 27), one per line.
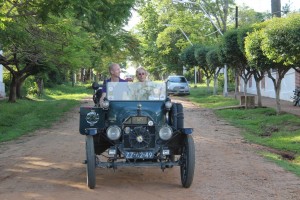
(207, 85)
(13, 91)
(245, 93)
(82, 75)
(277, 87)
(236, 81)
(18, 89)
(73, 75)
(199, 76)
(259, 104)
(40, 84)
(20, 81)
(215, 84)
(277, 91)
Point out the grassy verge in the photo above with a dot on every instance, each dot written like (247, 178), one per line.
(279, 133)
(28, 115)
(204, 98)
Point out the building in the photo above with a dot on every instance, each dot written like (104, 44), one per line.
(290, 81)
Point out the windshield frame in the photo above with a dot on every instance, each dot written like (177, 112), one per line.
(136, 91)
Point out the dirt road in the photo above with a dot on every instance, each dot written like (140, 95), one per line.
(47, 165)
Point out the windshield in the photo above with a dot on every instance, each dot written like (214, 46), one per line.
(128, 91)
(177, 79)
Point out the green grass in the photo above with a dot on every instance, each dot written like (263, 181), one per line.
(260, 125)
(28, 115)
(206, 99)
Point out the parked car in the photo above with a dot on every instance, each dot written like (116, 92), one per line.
(177, 85)
(137, 125)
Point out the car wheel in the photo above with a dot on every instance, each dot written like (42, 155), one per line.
(91, 162)
(187, 166)
(180, 116)
(173, 116)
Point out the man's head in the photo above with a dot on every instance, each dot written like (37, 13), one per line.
(114, 70)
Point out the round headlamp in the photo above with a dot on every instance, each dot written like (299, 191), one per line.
(150, 123)
(127, 130)
(168, 104)
(165, 133)
(105, 104)
(113, 132)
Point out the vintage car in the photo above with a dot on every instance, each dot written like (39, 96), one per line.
(137, 126)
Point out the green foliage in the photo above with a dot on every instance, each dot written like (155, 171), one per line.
(188, 56)
(213, 59)
(281, 41)
(231, 49)
(163, 35)
(254, 53)
(248, 16)
(27, 116)
(200, 55)
(39, 36)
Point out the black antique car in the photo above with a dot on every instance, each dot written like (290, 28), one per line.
(137, 126)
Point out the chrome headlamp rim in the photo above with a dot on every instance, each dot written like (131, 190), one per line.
(150, 123)
(168, 104)
(105, 104)
(113, 132)
(165, 132)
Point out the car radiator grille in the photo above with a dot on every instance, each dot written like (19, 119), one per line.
(140, 137)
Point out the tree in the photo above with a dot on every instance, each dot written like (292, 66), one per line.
(280, 43)
(234, 57)
(248, 16)
(257, 60)
(200, 56)
(213, 61)
(219, 11)
(30, 44)
(147, 35)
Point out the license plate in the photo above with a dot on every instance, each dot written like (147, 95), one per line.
(139, 155)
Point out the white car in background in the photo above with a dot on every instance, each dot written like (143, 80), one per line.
(177, 85)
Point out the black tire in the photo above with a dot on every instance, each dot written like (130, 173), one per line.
(180, 116)
(173, 116)
(187, 166)
(91, 162)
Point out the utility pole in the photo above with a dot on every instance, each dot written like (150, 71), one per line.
(236, 89)
(276, 8)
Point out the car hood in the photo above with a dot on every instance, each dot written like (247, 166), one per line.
(121, 110)
(172, 85)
